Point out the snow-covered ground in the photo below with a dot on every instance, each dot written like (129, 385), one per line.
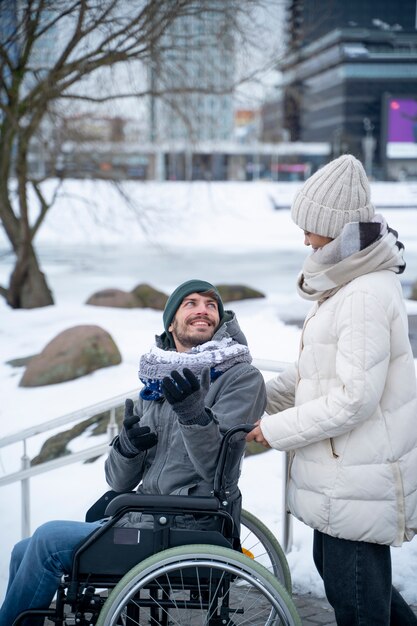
(225, 232)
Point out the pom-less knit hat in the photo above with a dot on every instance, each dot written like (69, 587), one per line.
(178, 295)
(337, 194)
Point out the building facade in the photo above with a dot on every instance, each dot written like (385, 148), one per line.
(346, 65)
(192, 78)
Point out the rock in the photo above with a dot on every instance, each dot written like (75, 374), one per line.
(148, 296)
(142, 296)
(412, 333)
(413, 295)
(145, 296)
(114, 298)
(229, 293)
(20, 362)
(57, 445)
(73, 353)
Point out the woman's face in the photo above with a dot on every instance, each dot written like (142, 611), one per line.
(315, 241)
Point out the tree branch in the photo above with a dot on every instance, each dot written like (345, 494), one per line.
(43, 210)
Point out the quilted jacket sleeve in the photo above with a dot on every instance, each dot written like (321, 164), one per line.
(352, 394)
(281, 390)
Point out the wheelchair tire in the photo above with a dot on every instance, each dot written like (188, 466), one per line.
(266, 550)
(199, 585)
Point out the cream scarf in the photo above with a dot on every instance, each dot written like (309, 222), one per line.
(361, 248)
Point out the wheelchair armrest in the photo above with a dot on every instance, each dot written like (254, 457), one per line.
(147, 502)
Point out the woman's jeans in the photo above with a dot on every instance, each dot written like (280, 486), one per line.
(357, 581)
(37, 565)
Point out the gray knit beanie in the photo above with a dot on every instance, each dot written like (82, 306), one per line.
(335, 195)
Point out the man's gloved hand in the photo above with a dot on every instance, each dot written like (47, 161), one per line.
(186, 395)
(134, 438)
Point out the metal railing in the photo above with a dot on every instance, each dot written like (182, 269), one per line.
(27, 471)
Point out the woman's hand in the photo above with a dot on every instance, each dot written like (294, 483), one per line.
(257, 435)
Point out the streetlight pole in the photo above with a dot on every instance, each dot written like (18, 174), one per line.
(368, 145)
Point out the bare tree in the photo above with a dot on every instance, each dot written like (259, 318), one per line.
(87, 38)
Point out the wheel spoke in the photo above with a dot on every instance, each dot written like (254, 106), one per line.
(213, 587)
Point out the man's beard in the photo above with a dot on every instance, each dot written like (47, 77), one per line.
(189, 340)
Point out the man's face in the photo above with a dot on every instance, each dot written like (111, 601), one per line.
(195, 321)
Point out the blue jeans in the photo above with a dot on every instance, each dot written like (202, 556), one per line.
(37, 565)
(357, 581)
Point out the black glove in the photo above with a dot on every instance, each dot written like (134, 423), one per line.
(134, 438)
(187, 395)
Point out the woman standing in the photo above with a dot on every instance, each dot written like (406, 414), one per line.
(347, 410)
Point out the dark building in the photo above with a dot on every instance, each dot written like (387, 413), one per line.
(272, 129)
(309, 20)
(350, 78)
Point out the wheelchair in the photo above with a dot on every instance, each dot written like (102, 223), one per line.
(170, 572)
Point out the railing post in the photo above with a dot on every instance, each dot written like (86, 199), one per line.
(112, 429)
(25, 495)
(287, 519)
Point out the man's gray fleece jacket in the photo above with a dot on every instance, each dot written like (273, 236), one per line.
(184, 460)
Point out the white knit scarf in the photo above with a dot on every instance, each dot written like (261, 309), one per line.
(361, 248)
(219, 356)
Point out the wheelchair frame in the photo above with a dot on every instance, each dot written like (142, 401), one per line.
(162, 574)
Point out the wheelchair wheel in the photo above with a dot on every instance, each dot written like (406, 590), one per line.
(199, 585)
(263, 547)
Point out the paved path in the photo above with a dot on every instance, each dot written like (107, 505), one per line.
(313, 611)
(317, 611)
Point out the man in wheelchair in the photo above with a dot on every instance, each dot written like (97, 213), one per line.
(198, 382)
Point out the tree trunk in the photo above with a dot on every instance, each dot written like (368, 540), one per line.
(28, 288)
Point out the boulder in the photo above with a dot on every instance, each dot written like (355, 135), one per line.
(145, 296)
(73, 353)
(114, 298)
(413, 295)
(230, 293)
(149, 297)
(142, 296)
(21, 361)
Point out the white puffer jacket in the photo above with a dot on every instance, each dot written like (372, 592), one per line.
(349, 414)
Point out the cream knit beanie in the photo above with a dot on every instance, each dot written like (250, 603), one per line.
(336, 194)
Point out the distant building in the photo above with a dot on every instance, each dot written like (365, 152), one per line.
(43, 51)
(211, 160)
(247, 125)
(272, 118)
(309, 20)
(346, 63)
(195, 73)
(87, 127)
(99, 146)
(8, 31)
